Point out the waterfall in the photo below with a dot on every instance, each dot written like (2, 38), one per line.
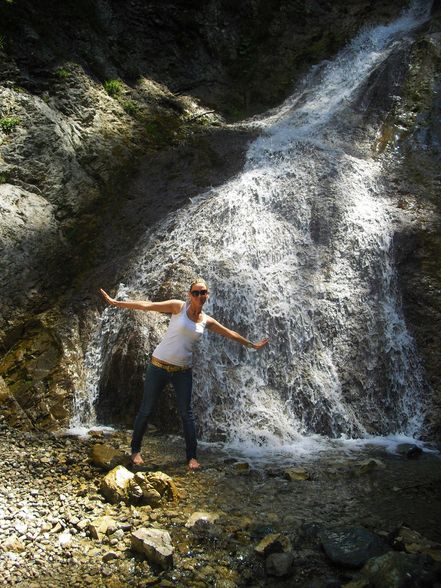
(298, 248)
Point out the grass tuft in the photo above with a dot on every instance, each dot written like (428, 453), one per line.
(8, 123)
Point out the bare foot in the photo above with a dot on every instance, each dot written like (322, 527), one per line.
(137, 459)
(193, 464)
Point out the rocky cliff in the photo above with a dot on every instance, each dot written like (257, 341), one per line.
(113, 114)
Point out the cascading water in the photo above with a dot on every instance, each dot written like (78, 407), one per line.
(298, 248)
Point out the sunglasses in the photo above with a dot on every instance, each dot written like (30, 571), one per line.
(199, 293)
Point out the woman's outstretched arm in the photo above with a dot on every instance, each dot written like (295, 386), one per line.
(216, 327)
(167, 306)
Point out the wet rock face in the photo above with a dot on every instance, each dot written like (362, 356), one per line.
(121, 384)
(400, 108)
(102, 135)
(415, 186)
(30, 244)
(40, 372)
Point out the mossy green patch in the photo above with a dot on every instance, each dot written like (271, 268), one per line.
(113, 87)
(165, 128)
(131, 107)
(63, 73)
(8, 123)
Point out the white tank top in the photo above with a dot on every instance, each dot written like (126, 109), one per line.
(182, 333)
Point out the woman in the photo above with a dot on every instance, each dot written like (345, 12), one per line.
(172, 360)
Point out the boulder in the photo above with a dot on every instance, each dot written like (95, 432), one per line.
(352, 547)
(14, 544)
(115, 486)
(155, 544)
(241, 466)
(163, 484)
(156, 488)
(107, 457)
(153, 488)
(410, 450)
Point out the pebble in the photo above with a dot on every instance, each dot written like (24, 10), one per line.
(45, 515)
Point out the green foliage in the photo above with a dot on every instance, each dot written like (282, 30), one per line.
(3, 178)
(113, 87)
(130, 107)
(2, 41)
(62, 73)
(8, 123)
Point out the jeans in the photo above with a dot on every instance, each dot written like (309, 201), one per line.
(155, 380)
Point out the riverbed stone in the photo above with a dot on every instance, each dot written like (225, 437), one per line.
(411, 541)
(352, 547)
(410, 450)
(296, 474)
(155, 544)
(115, 486)
(162, 483)
(397, 570)
(273, 543)
(107, 457)
(368, 465)
(99, 527)
(207, 517)
(279, 564)
(56, 506)
(13, 543)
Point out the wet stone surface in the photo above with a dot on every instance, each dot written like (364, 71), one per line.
(56, 529)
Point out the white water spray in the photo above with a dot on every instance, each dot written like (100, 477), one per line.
(298, 248)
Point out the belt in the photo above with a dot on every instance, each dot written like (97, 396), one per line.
(168, 366)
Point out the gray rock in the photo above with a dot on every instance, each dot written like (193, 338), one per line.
(155, 544)
(410, 450)
(279, 564)
(352, 547)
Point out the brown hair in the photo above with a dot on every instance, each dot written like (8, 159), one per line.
(198, 281)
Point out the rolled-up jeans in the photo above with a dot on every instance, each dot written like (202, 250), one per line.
(155, 380)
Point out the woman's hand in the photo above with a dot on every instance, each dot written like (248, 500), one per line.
(260, 344)
(107, 298)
